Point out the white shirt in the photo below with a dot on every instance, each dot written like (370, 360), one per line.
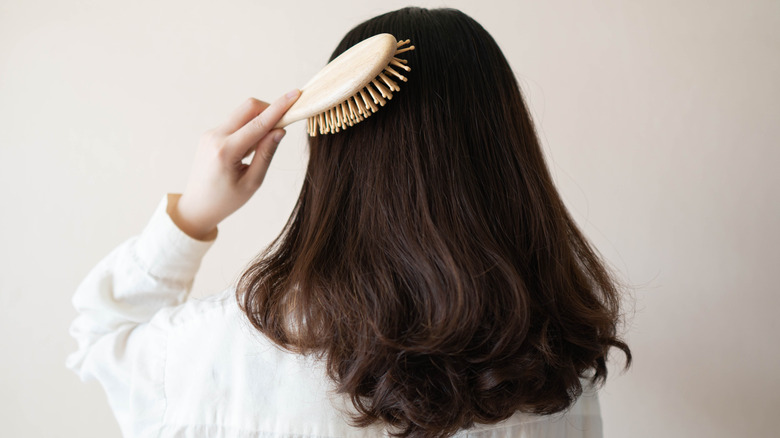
(178, 367)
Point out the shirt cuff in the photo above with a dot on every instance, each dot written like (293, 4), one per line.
(166, 251)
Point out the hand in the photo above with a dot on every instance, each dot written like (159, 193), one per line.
(219, 183)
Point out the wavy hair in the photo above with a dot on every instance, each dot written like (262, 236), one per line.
(429, 259)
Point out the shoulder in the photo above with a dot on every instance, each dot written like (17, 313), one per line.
(209, 324)
(194, 311)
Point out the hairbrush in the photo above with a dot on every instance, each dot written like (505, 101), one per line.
(351, 87)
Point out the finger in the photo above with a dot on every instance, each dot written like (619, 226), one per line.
(250, 134)
(247, 111)
(263, 155)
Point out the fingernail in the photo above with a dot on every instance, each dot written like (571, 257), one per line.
(291, 94)
(279, 136)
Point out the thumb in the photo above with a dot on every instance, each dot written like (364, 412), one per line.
(263, 155)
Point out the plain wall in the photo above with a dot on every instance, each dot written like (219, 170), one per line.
(660, 121)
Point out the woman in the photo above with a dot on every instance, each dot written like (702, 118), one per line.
(429, 281)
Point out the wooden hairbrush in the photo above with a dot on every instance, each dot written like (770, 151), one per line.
(351, 87)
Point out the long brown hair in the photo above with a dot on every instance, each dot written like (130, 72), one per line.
(430, 260)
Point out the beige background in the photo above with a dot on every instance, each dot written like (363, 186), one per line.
(660, 120)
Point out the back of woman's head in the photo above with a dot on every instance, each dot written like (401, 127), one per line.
(430, 260)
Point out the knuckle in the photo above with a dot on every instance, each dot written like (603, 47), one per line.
(265, 155)
(223, 153)
(260, 122)
(253, 103)
(208, 135)
(212, 136)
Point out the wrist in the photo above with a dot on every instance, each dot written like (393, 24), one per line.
(182, 216)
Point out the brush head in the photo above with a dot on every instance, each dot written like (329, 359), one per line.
(351, 87)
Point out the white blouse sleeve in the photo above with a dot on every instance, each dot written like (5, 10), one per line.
(124, 307)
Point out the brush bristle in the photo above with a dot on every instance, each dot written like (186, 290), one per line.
(364, 102)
